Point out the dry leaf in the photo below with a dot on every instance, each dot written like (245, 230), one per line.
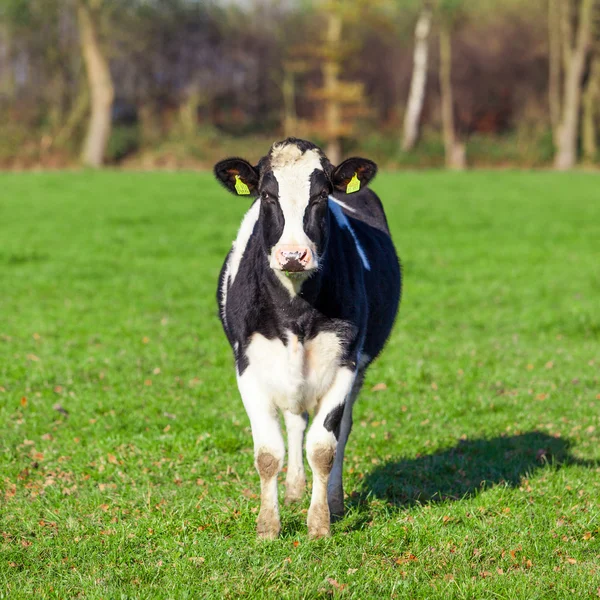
(378, 387)
(23, 401)
(335, 584)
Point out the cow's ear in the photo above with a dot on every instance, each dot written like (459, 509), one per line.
(353, 174)
(238, 176)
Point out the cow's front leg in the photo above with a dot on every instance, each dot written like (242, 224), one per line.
(295, 480)
(269, 452)
(321, 445)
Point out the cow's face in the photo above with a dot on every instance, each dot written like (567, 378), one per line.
(294, 183)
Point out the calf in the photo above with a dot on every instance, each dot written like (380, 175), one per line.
(308, 295)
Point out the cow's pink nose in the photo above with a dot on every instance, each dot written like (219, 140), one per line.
(293, 258)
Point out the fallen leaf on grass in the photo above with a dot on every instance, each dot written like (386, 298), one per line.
(336, 584)
(33, 358)
(23, 401)
(408, 557)
(572, 561)
(378, 387)
(58, 407)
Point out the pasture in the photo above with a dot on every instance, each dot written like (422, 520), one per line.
(473, 470)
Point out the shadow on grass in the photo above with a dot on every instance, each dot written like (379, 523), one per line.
(465, 469)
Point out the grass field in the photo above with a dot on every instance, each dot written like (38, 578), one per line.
(126, 455)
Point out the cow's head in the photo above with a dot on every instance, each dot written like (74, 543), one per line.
(294, 182)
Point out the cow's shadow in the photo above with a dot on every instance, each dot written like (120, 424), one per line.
(465, 469)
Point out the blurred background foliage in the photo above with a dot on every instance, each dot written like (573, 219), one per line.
(410, 83)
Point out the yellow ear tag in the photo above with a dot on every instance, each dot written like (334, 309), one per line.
(240, 187)
(353, 185)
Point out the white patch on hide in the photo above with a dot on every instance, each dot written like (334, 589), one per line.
(292, 170)
(293, 377)
(241, 241)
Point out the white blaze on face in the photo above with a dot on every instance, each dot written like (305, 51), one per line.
(292, 169)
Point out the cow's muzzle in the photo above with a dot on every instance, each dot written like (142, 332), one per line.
(295, 259)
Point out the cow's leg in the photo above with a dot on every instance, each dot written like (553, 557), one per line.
(321, 443)
(269, 452)
(335, 488)
(295, 481)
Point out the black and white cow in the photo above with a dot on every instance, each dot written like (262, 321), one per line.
(308, 295)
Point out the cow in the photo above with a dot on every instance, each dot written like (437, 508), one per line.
(308, 295)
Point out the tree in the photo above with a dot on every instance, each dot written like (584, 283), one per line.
(591, 112)
(101, 90)
(454, 149)
(419, 78)
(575, 46)
(554, 65)
(338, 97)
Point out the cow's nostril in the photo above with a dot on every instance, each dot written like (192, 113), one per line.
(293, 258)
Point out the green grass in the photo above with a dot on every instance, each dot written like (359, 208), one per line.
(474, 474)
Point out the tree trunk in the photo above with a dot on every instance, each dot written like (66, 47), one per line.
(591, 100)
(331, 73)
(100, 86)
(416, 96)
(554, 62)
(7, 82)
(188, 112)
(454, 150)
(290, 118)
(566, 154)
(76, 116)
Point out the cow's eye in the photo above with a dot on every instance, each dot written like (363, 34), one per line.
(266, 196)
(324, 194)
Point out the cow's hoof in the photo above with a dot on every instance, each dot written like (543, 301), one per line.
(268, 526)
(318, 522)
(294, 491)
(316, 532)
(336, 509)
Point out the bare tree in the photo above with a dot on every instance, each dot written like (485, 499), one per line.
(453, 148)
(101, 91)
(554, 64)
(331, 74)
(419, 78)
(591, 112)
(575, 47)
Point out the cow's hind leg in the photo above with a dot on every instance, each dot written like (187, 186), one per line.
(269, 452)
(321, 445)
(295, 481)
(335, 488)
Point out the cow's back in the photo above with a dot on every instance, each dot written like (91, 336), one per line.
(383, 284)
